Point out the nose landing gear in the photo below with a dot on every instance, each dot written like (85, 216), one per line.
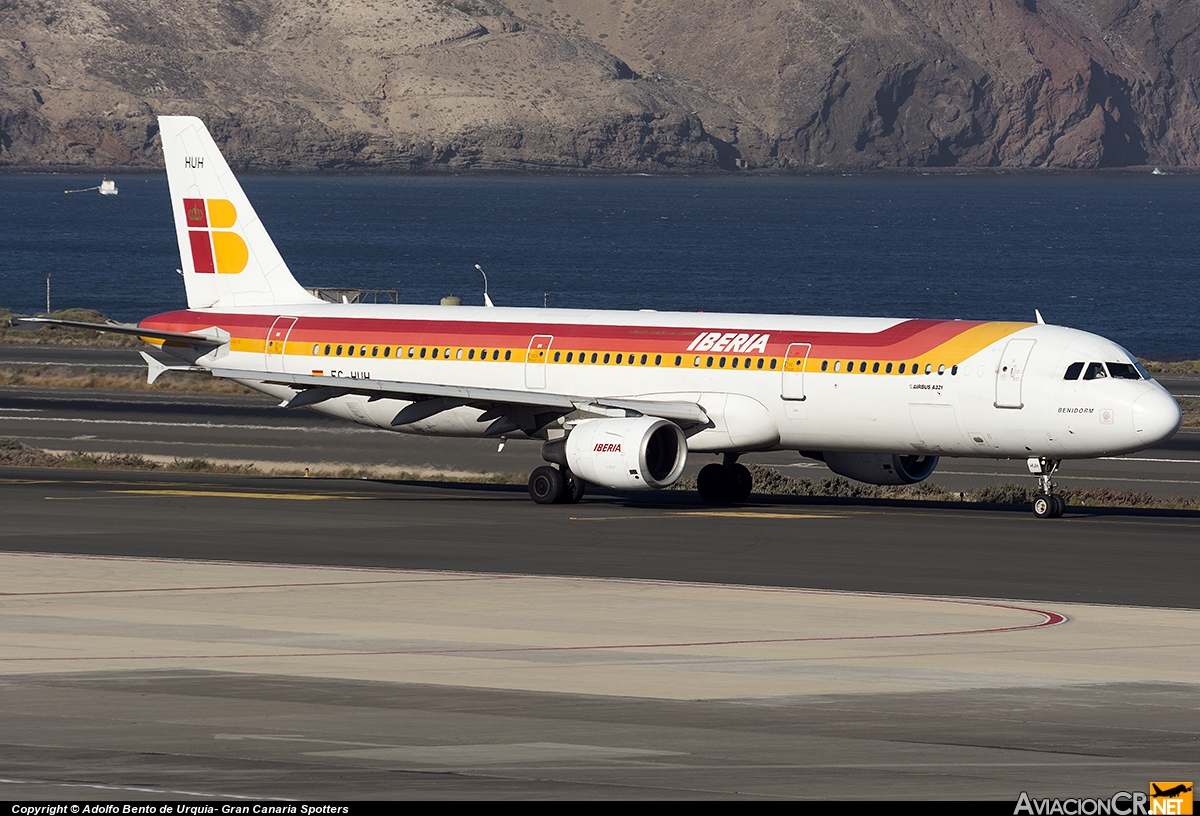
(1045, 503)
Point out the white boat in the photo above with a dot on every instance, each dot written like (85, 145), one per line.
(108, 187)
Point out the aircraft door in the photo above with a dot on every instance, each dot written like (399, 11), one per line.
(277, 337)
(1011, 373)
(793, 371)
(535, 360)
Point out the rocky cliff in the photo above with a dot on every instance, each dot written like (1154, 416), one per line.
(606, 85)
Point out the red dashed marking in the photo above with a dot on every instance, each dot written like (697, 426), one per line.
(1049, 618)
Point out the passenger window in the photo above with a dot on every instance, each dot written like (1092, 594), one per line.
(734, 362)
(888, 370)
(953, 370)
(644, 358)
(658, 359)
(837, 366)
(557, 355)
(496, 354)
(760, 363)
(929, 368)
(824, 365)
(316, 349)
(606, 358)
(773, 363)
(902, 368)
(709, 362)
(875, 368)
(458, 354)
(387, 351)
(570, 356)
(849, 367)
(435, 354)
(339, 351)
(350, 351)
(1095, 371)
(1073, 371)
(595, 356)
(678, 361)
(507, 355)
(862, 367)
(619, 358)
(696, 362)
(941, 369)
(722, 363)
(327, 350)
(374, 351)
(411, 351)
(1123, 371)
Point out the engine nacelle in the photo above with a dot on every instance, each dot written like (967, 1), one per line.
(631, 453)
(881, 468)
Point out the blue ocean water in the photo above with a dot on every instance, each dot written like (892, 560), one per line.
(1109, 253)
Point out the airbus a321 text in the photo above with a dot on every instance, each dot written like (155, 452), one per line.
(622, 398)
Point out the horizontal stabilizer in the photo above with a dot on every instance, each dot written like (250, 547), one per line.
(155, 368)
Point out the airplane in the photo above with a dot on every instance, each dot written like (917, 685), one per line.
(621, 399)
(1170, 793)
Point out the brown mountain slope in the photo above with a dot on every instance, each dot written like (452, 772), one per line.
(616, 85)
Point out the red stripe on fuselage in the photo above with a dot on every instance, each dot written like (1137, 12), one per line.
(910, 338)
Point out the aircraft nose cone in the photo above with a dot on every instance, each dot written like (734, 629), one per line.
(1156, 417)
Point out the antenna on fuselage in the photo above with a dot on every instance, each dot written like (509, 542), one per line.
(487, 301)
(1038, 314)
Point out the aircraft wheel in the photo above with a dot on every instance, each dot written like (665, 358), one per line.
(1060, 506)
(572, 488)
(743, 483)
(1043, 506)
(546, 485)
(715, 484)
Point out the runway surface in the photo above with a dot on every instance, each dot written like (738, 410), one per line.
(254, 430)
(433, 640)
(188, 636)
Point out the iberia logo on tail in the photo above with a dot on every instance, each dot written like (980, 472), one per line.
(214, 247)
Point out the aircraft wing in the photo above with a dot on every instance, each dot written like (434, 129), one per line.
(509, 410)
(185, 338)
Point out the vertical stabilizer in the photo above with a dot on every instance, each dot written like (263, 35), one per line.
(228, 258)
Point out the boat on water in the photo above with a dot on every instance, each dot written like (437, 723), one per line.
(106, 187)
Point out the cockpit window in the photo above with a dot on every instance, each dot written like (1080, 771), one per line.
(1095, 371)
(1073, 371)
(1123, 371)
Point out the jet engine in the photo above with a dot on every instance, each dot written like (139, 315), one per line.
(881, 468)
(630, 453)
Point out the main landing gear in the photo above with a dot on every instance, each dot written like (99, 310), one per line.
(550, 485)
(1045, 503)
(727, 483)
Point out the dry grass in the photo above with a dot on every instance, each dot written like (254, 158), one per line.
(767, 481)
(60, 376)
(62, 335)
(14, 453)
(1173, 367)
(770, 482)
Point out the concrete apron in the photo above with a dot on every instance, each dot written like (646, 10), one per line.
(649, 639)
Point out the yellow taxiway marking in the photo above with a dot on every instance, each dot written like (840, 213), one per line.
(230, 494)
(713, 514)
